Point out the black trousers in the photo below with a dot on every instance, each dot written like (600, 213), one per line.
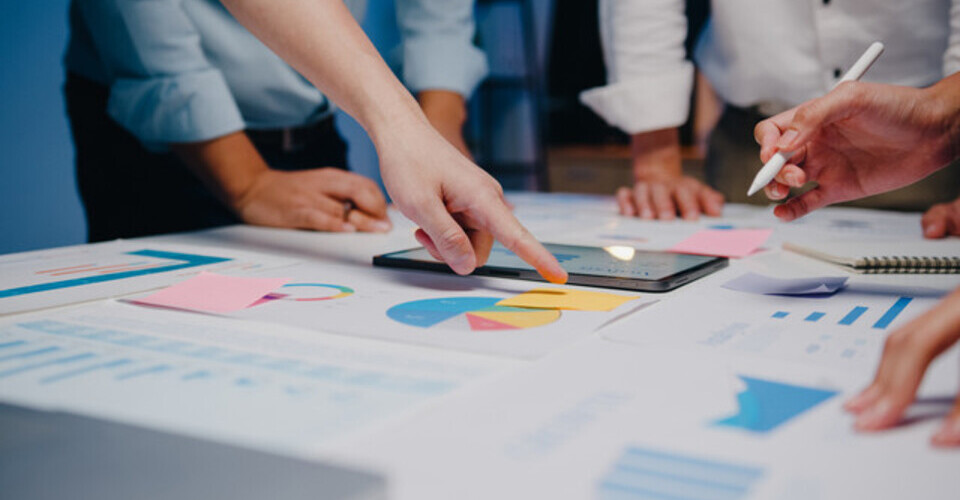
(128, 191)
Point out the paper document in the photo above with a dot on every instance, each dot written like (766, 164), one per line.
(216, 378)
(425, 308)
(601, 420)
(48, 278)
(209, 292)
(567, 298)
(766, 285)
(843, 331)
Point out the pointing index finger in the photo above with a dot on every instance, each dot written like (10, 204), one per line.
(508, 231)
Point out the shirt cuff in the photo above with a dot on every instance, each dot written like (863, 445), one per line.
(439, 65)
(646, 103)
(191, 107)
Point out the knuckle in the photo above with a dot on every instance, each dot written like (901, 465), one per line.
(803, 115)
(853, 91)
(453, 238)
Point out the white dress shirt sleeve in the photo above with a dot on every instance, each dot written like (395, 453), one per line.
(437, 45)
(951, 58)
(163, 88)
(649, 79)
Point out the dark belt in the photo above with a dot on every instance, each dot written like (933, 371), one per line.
(292, 138)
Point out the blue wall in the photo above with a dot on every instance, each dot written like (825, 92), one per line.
(39, 206)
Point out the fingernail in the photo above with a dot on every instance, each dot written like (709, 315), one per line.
(793, 179)
(786, 140)
(382, 226)
(949, 433)
(930, 230)
(647, 214)
(349, 228)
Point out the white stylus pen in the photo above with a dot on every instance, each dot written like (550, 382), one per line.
(772, 167)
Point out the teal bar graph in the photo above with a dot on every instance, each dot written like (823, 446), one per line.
(646, 474)
(815, 316)
(146, 371)
(893, 312)
(853, 315)
(30, 354)
(16, 352)
(82, 371)
(43, 364)
(780, 314)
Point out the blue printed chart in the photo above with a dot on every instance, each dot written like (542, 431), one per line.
(845, 331)
(765, 404)
(469, 313)
(136, 263)
(647, 474)
(49, 278)
(853, 315)
(285, 389)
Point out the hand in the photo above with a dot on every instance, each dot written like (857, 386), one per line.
(942, 220)
(314, 199)
(858, 140)
(661, 190)
(906, 355)
(459, 207)
(309, 199)
(447, 112)
(662, 199)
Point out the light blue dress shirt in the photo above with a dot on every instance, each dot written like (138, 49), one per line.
(187, 71)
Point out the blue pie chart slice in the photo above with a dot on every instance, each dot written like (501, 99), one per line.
(428, 312)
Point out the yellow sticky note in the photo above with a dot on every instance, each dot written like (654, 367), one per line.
(561, 298)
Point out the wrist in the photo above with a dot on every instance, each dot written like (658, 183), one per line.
(656, 155)
(229, 166)
(387, 117)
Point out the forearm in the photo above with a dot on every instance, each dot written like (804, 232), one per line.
(447, 112)
(227, 165)
(323, 42)
(656, 154)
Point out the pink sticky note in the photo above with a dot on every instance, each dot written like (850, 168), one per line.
(723, 242)
(208, 292)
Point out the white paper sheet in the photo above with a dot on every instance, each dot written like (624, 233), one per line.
(61, 276)
(843, 331)
(271, 387)
(425, 308)
(560, 428)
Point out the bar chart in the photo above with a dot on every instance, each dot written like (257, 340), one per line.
(221, 379)
(643, 473)
(851, 317)
(143, 356)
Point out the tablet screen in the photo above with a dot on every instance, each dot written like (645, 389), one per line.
(613, 261)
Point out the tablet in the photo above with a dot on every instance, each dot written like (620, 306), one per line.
(609, 267)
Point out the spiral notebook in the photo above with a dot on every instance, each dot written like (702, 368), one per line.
(915, 257)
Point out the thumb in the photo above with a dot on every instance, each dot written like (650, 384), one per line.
(817, 197)
(812, 116)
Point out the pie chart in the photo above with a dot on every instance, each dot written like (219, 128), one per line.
(469, 313)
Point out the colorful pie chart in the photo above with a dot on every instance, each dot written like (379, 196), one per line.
(469, 313)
